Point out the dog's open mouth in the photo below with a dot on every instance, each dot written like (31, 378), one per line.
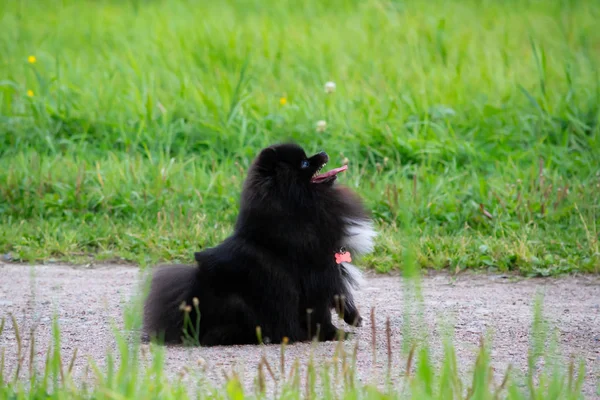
(328, 176)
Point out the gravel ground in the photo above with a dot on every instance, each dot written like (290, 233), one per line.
(89, 300)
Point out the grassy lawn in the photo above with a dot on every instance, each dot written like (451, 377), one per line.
(469, 126)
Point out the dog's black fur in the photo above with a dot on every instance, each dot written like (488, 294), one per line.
(278, 263)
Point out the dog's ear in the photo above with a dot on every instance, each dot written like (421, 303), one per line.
(266, 160)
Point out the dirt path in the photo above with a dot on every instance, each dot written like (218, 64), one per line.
(88, 299)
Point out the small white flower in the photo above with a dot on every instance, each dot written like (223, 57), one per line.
(321, 126)
(330, 87)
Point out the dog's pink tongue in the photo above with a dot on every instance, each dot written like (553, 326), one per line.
(329, 174)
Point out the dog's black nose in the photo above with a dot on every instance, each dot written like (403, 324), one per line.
(324, 155)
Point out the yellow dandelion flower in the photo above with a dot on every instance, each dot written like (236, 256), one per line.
(31, 59)
(283, 101)
(30, 93)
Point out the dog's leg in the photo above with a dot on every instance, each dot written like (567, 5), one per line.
(346, 309)
(352, 317)
(238, 334)
(232, 321)
(227, 335)
(319, 323)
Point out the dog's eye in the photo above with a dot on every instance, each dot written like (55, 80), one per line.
(304, 164)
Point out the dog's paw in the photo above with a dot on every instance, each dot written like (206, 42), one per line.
(354, 320)
(358, 322)
(328, 334)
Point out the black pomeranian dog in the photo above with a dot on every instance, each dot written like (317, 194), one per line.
(284, 268)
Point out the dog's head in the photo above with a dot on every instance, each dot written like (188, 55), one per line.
(285, 186)
(288, 165)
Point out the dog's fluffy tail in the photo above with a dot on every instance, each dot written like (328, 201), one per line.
(171, 285)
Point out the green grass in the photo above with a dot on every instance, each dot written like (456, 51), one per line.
(478, 119)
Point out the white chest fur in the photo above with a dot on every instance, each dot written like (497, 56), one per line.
(360, 236)
(359, 239)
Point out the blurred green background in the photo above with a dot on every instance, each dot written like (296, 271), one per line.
(470, 126)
